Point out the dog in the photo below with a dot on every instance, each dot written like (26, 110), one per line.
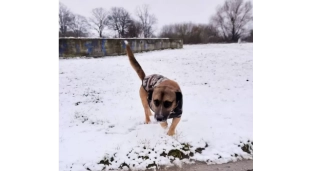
(159, 94)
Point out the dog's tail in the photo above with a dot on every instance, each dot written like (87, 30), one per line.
(134, 63)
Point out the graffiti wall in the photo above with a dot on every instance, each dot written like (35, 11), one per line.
(97, 47)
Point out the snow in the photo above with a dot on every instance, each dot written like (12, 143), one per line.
(101, 115)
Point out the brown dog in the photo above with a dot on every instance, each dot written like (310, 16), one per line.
(160, 94)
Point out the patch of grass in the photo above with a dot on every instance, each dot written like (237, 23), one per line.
(186, 147)
(199, 149)
(123, 164)
(107, 161)
(247, 148)
(144, 157)
(181, 153)
(152, 165)
(163, 154)
(177, 154)
(185, 154)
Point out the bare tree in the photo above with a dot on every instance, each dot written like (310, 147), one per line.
(74, 34)
(134, 30)
(231, 19)
(99, 20)
(119, 20)
(191, 33)
(166, 31)
(65, 19)
(147, 20)
(184, 30)
(79, 25)
(249, 37)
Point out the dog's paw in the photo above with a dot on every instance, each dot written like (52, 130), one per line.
(153, 121)
(170, 133)
(164, 125)
(147, 121)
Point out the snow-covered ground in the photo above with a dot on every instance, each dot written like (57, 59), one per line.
(101, 116)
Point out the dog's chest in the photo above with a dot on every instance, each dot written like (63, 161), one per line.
(151, 81)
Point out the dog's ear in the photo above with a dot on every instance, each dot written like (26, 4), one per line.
(178, 97)
(179, 101)
(150, 95)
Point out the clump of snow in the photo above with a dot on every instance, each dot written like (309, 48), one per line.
(102, 118)
(126, 42)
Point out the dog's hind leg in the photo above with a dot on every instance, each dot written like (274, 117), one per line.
(147, 111)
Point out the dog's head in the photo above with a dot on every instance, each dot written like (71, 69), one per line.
(163, 101)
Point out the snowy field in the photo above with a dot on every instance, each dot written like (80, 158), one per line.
(101, 116)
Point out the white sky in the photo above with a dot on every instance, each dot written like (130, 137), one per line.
(166, 11)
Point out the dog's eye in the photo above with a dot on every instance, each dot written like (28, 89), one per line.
(167, 104)
(156, 102)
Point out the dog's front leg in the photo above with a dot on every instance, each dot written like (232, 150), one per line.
(147, 111)
(173, 126)
(164, 124)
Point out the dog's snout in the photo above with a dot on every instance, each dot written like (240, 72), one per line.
(160, 118)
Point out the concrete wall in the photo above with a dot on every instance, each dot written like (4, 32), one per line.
(98, 47)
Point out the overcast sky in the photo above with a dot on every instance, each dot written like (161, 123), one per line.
(166, 11)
